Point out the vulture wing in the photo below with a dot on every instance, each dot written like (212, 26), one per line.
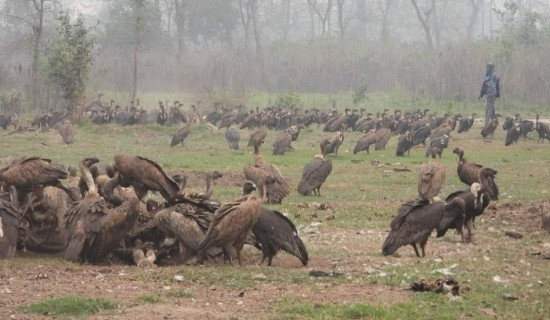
(314, 175)
(9, 230)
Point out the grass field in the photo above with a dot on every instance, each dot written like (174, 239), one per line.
(346, 238)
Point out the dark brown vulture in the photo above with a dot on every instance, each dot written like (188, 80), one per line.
(274, 232)
(93, 228)
(416, 220)
(469, 172)
(282, 143)
(466, 123)
(476, 199)
(261, 171)
(257, 137)
(335, 143)
(542, 129)
(144, 175)
(67, 130)
(404, 144)
(490, 127)
(233, 136)
(438, 144)
(180, 136)
(512, 136)
(431, 176)
(9, 229)
(420, 135)
(27, 172)
(443, 130)
(365, 142)
(232, 223)
(162, 116)
(382, 137)
(315, 173)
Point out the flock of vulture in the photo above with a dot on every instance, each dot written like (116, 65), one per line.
(103, 212)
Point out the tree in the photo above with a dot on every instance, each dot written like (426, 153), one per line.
(70, 58)
(384, 7)
(424, 21)
(473, 18)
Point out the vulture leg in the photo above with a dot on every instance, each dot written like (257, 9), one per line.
(263, 258)
(423, 246)
(415, 249)
(269, 261)
(461, 233)
(469, 226)
(319, 191)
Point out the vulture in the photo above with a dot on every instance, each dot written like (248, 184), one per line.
(232, 223)
(404, 144)
(335, 143)
(468, 172)
(420, 135)
(476, 199)
(315, 173)
(438, 144)
(525, 126)
(466, 123)
(29, 171)
(282, 143)
(180, 136)
(443, 130)
(162, 116)
(416, 220)
(257, 137)
(382, 137)
(261, 172)
(365, 142)
(542, 129)
(508, 123)
(144, 175)
(94, 229)
(431, 176)
(9, 229)
(233, 136)
(489, 128)
(67, 130)
(274, 232)
(512, 136)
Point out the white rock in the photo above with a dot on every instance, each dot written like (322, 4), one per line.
(178, 278)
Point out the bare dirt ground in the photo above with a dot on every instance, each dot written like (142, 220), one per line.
(354, 253)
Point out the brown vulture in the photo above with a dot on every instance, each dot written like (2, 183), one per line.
(465, 124)
(274, 232)
(257, 137)
(232, 223)
(365, 142)
(282, 143)
(438, 144)
(420, 135)
(476, 199)
(542, 129)
(67, 130)
(315, 173)
(9, 229)
(180, 135)
(416, 220)
(29, 171)
(404, 144)
(145, 174)
(233, 136)
(468, 172)
(431, 176)
(512, 136)
(334, 143)
(490, 127)
(382, 137)
(262, 171)
(94, 229)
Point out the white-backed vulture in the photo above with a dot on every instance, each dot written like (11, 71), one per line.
(315, 173)
(404, 144)
(490, 127)
(469, 172)
(416, 220)
(67, 130)
(382, 137)
(465, 124)
(180, 135)
(365, 142)
(512, 136)
(257, 137)
(233, 136)
(261, 172)
(282, 143)
(431, 176)
(232, 223)
(274, 232)
(145, 174)
(335, 143)
(93, 228)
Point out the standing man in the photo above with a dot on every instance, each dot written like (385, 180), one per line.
(490, 88)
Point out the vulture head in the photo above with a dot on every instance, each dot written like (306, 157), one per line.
(476, 190)
(460, 153)
(248, 187)
(487, 179)
(85, 165)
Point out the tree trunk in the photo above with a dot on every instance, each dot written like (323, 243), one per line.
(312, 23)
(244, 10)
(180, 27)
(385, 28)
(37, 30)
(473, 18)
(138, 12)
(257, 38)
(424, 22)
(286, 18)
(341, 25)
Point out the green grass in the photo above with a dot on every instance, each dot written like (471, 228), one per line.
(147, 298)
(179, 294)
(71, 306)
